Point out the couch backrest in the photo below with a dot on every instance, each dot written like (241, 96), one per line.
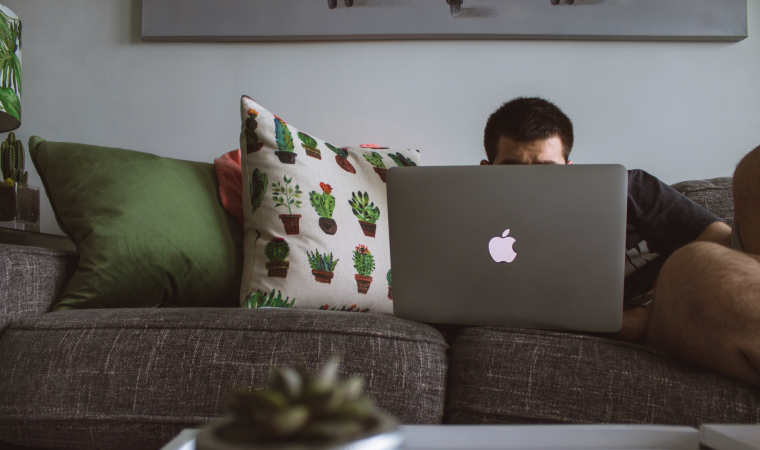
(714, 194)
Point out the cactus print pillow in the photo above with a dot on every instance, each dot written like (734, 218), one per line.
(316, 224)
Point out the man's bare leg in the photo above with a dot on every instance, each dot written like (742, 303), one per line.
(707, 299)
(706, 310)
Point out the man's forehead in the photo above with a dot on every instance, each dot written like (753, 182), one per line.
(542, 151)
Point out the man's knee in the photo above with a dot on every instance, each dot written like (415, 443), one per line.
(746, 181)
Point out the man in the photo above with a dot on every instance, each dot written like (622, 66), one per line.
(706, 305)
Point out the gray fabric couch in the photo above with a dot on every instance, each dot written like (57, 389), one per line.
(133, 378)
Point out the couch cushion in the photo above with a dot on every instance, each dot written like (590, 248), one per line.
(504, 375)
(714, 194)
(149, 230)
(30, 279)
(133, 378)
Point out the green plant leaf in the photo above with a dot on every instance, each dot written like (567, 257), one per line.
(10, 101)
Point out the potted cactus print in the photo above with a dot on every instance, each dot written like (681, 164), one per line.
(277, 251)
(341, 155)
(310, 145)
(324, 204)
(352, 308)
(401, 160)
(364, 263)
(390, 285)
(285, 195)
(322, 266)
(252, 143)
(259, 184)
(286, 152)
(259, 299)
(366, 212)
(377, 161)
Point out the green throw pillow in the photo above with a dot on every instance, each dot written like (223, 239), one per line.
(150, 230)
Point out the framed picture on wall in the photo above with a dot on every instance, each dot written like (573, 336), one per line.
(309, 20)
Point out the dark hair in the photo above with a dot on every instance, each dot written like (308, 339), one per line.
(525, 120)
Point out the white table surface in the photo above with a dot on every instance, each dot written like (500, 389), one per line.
(730, 437)
(513, 437)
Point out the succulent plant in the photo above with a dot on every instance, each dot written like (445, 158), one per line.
(307, 140)
(401, 160)
(302, 407)
(259, 299)
(362, 208)
(285, 195)
(364, 262)
(282, 136)
(342, 152)
(12, 160)
(388, 277)
(376, 160)
(259, 184)
(277, 249)
(323, 203)
(323, 262)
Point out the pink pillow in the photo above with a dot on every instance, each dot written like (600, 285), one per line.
(230, 176)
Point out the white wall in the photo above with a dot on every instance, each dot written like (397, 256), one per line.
(678, 110)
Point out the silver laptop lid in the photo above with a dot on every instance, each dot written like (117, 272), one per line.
(559, 232)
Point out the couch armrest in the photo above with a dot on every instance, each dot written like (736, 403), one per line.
(31, 279)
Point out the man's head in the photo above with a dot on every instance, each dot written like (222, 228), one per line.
(528, 131)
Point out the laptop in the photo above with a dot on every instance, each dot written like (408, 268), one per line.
(528, 246)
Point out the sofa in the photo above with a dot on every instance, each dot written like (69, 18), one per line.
(133, 378)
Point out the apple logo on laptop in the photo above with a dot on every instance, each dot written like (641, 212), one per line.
(500, 248)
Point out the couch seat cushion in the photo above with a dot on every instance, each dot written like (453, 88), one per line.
(505, 375)
(133, 378)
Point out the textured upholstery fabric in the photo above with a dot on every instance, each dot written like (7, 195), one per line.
(714, 194)
(133, 378)
(524, 376)
(31, 279)
(503, 375)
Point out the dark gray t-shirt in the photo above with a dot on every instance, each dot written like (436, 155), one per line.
(660, 220)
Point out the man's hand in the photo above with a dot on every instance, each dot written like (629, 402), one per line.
(635, 325)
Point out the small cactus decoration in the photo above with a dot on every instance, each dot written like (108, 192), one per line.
(341, 155)
(277, 251)
(390, 285)
(310, 145)
(366, 211)
(259, 299)
(305, 408)
(401, 160)
(324, 205)
(252, 143)
(286, 151)
(377, 161)
(322, 266)
(259, 184)
(364, 263)
(12, 160)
